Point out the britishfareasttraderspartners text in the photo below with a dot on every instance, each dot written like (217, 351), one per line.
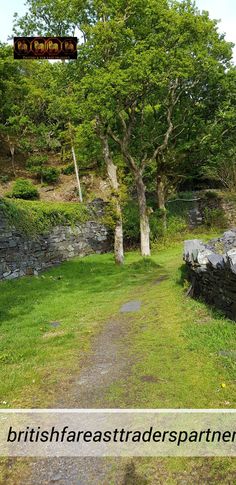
(66, 435)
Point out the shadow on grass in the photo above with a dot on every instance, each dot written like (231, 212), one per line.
(183, 270)
(131, 477)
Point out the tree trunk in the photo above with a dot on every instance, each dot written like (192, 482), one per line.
(12, 152)
(118, 236)
(77, 173)
(12, 149)
(62, 154)
(138, 176)
(143, 214)
(112, 175)
(161, 199)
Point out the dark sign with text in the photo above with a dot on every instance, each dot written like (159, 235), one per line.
(45, 47)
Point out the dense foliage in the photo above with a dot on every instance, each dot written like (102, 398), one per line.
(151, 103)
(24, 189)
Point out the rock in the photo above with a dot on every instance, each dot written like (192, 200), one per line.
(202, 256)
(13, 275)
(216, 260)
(131, 306)
(232, 256)
(12, 243)
(5, 275)
(228, 353)
(55, 324)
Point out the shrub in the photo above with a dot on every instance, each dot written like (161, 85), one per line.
(176, 223)
(4, 179)
(212, 194)
(50, 175)
(24, 189)
(68, 170)
(36, 162)
(36, 165)
(131, 223)
(214, 217)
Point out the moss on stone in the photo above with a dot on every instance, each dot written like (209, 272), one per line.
(35, 217)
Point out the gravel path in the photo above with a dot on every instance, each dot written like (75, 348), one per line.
(107, 362)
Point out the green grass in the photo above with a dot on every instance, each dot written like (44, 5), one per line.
(80, 295)
(174, 340)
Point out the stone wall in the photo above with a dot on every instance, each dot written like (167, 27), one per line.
(212, 271)
(24, 255)
(216, 202)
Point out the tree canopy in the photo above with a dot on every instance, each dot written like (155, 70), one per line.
(151, 96)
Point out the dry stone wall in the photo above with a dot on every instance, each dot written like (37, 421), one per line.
(210, 207)
(212, 271)
(24, 255)
(218, 202)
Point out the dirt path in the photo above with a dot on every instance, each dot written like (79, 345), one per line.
(107, 362)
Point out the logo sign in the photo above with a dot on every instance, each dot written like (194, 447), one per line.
(45, 47)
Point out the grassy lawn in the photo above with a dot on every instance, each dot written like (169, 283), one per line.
(77, 297)
(47, 323)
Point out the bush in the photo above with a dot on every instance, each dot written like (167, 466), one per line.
(214, 217)
(156, 225)
(36, 162)
(24, 189)
(176, 223)
(36, 165)
(212, 194)
(131, 223)
(68, 170)
(50, 175)
(4, 179)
